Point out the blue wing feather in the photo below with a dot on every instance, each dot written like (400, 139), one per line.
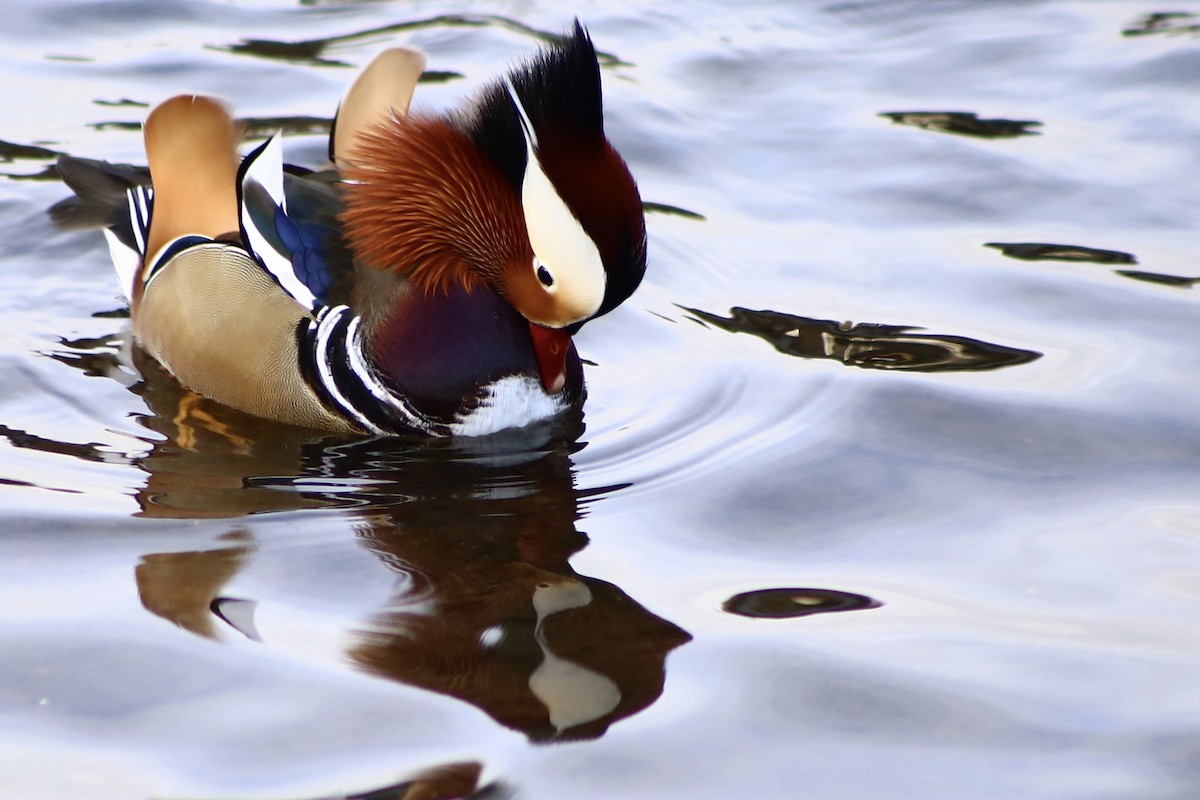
(306, 244)
(292, 250)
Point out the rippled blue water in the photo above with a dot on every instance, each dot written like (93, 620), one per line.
(196, 604)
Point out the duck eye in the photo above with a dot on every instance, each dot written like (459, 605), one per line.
(544, 276)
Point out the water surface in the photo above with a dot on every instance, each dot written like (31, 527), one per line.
(888, 485)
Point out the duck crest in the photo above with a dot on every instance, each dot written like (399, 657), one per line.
(558, 90)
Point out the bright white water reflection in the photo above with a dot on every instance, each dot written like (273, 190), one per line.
(915, 347)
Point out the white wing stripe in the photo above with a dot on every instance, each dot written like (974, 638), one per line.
(266, 170)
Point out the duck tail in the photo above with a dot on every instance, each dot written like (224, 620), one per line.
(115, 197)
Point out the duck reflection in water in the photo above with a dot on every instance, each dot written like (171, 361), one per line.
(867, 345)
(486, 607)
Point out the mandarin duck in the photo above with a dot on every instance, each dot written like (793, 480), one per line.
(430, 283)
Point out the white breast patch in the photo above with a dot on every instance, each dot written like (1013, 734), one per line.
(511, 402)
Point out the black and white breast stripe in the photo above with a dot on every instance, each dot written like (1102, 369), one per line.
(336, 366)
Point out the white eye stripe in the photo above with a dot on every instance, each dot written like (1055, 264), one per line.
(530, 134)
(560, 244)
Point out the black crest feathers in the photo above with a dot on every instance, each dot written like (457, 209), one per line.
(559, 88)
(562, 85)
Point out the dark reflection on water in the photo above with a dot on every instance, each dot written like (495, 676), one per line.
(124, 102)
(1178, 281)
(10, 151)
(674, 211)
(867, 345)
(458, 781)
(314, 51)
(486, 607)
(519, 634)
(788, 603)
(964, 123)
(1039, 251)
(1167, 22)
(14, 151)
(95, 357)
(45, 174)
(92, 451)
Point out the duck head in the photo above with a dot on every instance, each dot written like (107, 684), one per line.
(521, 191)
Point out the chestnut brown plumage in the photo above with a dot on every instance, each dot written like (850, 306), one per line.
(423, 201)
